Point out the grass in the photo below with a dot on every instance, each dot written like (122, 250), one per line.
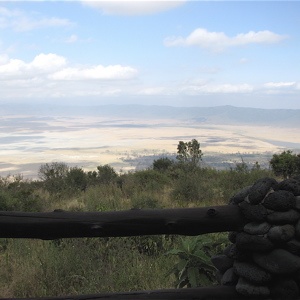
(35, 268)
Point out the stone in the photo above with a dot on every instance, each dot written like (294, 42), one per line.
(296, 277)
(233, 252)
(251, 272)
(285, 217)
(257, 228)
(297, 200)
(241, 195)
(280, 201)
(291, 185)
(222, 262)
(297, 228)
(278, 261)
(281, 234)
(256, 213)
(229, 278)
(293, 246)
(232, 236)
(260, 189)
(218, 276)
(248, 242)
(247, 288)
(283, 289)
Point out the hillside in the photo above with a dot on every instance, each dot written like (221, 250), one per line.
(131, 136)
(218, 115)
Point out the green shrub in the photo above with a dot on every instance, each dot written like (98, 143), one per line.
(76, 179)
(19, 198)
(194, 267)
(103, 198)
(144, 201)
(142, 181)
(162, 164)
(150, 180)
(196, 186)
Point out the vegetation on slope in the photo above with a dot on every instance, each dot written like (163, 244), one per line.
(33, 268)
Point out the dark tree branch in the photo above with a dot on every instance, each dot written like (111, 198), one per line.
(204, 293)
(61, 224)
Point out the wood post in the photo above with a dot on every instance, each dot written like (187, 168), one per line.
(62, 224)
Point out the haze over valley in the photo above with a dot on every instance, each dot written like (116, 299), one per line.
(131, 136)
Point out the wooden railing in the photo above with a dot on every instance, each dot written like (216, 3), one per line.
(187, 221)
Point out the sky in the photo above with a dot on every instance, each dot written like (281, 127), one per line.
(179, 53)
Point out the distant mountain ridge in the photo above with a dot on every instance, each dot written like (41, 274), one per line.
(208, 115)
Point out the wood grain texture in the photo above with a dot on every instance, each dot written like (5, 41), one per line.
(62, 224)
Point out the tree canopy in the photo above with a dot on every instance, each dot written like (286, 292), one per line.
(285, 164)
(189, 152)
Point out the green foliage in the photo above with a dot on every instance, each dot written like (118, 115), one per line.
(18, 195)
(54, 170)
(33, 268)
(194, 267)
(187, 189)
(145, 201)
(53, 176)
(189, 152)
(194, 186)
(150, 179)
(230, 182)
(285, 164)
(104, 175)
(162, 164)
(103, 198)
(152, 245)
(76, 179)
(133, 184)
(83, 266)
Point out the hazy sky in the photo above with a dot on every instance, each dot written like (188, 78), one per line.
(182, 53)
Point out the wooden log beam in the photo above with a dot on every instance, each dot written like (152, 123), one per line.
(62, 224)
(202, 293)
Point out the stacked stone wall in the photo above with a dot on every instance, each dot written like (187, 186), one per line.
(263, 260)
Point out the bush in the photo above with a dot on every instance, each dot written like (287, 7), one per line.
(76, 179)
(195, 186)
(194, 267)
(150, 180)
(133, 184)
(162, 164)
(21, 198)
(103, 198)
(144, 201)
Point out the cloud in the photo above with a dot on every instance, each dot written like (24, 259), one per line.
(194, 89)
(41, 64)
(133, 7)
(219, 41)
(3, 59)
(115, 72)
(282, 87)
(55, 67)
(72, 39)
(52, 76)
(217, 89)
(280, 84)
(21, 21)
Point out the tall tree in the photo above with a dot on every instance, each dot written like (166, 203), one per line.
(54, 170)
(189, 152)
(54, 176)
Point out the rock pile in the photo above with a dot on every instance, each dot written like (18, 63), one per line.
(263, 260)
